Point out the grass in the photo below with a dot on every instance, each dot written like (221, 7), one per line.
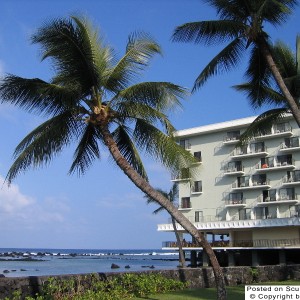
(234, 292)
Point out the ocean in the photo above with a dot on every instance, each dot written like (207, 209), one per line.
(37, 262)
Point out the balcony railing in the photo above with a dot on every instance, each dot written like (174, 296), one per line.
(291, 180)
(231, 139)
(235, 201)
(249, 185)
(274, 165)
(262, 243)
(279, 198)
(292, 143)
(279, 129)
(244, 152)
(185, 206)
(234, 170)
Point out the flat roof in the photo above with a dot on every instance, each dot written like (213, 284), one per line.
(215, 127)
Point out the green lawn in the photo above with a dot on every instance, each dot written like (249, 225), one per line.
(234, 293)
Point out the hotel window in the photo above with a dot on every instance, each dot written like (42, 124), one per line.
(235, 198)
(269, 195)
(243, 181)
(232, 135)
(287, 194)
(197, 187)
(291, 142)
(282, 127)
(260, 179)
(257, 147)
(234, 166)
(284, 160)
(245, 214)
(267, 162)
(197, 155)
(185, 144)
(198, 216)
(186, 202)
(293, 176)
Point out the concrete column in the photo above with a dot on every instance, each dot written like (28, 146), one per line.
(254, 258)
(231, 261)
(205, 259)
(282, 257)
(193, 259)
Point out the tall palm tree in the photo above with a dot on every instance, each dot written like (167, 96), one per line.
(241, 25)
(268, 92)
(93, 99)
(172, 195)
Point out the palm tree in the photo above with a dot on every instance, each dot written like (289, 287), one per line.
(93, 99)
(172, 195)
(269, 93)
(241, 24)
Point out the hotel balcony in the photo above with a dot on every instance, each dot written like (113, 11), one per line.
(277, 200)
(247, 185)
(184, 175)
(278, 130)
(235, 170)
(262, 243)
(246, 152)
(215, 224)
(235, 203)
(231, 140)
(291, 180)
(290, 145)
(185, 206)
(274, 166)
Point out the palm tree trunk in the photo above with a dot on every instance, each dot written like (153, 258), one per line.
(179, 243)
(277, 76)
(145, 187)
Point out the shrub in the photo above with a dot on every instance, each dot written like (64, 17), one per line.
(91, 287)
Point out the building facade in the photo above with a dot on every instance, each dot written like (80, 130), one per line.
(245, 200)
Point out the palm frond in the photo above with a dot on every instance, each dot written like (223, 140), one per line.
(140, 49)
(69, 44)
(273, 11)
(163, 96)
(208, 32)
(87, 150)
(150, 200)
(258, 71)
(225, 60)
(232, 10)
(161, 147)
(171, 196)
(128, 149)
(36, 95)
(41, 145)
(262, 123)
(285, 59)
(259, 95)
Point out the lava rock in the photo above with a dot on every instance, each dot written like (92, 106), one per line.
(114, 266)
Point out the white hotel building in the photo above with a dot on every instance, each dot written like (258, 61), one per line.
(245, 200)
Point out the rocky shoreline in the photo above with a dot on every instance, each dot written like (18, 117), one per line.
(28, 256)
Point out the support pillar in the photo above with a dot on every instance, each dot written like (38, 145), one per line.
(254, 258)
(282, 257)
(193, 259)
(231, 261)
(205, 259)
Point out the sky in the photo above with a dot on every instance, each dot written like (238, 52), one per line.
(47, 208)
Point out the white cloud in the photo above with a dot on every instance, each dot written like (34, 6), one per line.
(11, 199)
(23, 209)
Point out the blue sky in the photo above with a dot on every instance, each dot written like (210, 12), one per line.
(46, 208)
